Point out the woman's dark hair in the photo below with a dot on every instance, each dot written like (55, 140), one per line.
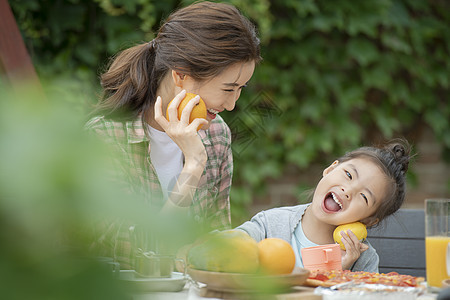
(200, 40)
(393, 159)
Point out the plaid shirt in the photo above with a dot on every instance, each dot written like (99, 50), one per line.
(211, 202)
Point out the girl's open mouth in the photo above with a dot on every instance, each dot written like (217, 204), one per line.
(332, 202)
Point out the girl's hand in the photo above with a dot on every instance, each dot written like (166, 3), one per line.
(180, 131)
(353, 249)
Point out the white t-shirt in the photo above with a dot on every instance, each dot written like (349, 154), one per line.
(166, 157)
(299, 241)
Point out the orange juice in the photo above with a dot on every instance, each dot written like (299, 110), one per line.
(436, 252)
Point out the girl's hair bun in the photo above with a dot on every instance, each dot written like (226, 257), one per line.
(400, 150)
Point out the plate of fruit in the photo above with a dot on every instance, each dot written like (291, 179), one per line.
(231, 260)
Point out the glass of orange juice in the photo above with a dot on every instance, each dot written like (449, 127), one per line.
(437, 239)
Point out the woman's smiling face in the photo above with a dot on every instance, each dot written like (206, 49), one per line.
(349, 191)
(222, 91)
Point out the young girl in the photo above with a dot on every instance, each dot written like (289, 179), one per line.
(209, 49)
(366, 185)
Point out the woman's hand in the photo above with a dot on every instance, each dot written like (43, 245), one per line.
(180, 131)
(186, 137)
(353, 249)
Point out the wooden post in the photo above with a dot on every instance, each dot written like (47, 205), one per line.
(15, 63)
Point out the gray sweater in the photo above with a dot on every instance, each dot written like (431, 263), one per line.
(281, 223)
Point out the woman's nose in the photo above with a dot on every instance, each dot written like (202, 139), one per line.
(231, 103)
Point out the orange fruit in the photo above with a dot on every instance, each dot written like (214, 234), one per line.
(276, 256)
(230, 251)
(198, 111)
(358, 228)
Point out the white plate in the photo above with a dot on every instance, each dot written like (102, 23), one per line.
(135, 283)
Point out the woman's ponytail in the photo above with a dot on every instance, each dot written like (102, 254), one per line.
(126, 82)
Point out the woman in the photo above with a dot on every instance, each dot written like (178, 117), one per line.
(209, 49)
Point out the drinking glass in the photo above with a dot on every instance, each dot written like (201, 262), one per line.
(437, 239)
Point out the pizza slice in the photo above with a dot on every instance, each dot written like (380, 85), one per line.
(333, 277)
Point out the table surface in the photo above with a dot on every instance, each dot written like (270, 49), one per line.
(191, 292)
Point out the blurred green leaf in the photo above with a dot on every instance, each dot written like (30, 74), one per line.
(363, 51)
(54, 188)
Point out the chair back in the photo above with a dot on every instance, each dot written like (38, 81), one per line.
(400, 242)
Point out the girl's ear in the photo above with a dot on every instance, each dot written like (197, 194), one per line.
(178, 78)
(330, 168)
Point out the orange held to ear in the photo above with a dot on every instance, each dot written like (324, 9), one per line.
(276, 256)
(198, 111)
(358, 228)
